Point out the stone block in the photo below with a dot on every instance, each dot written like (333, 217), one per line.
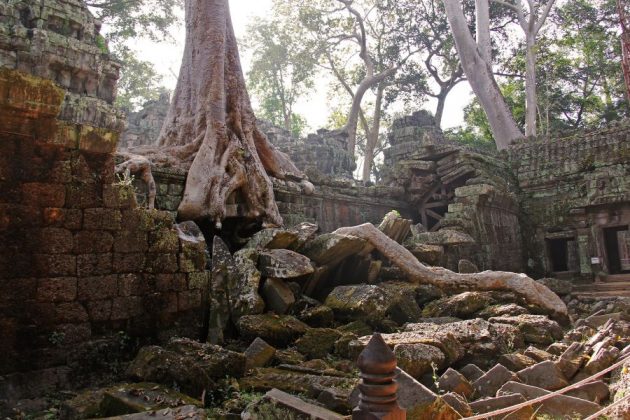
(300, 407)
(102, 219)
(418, 359)
(259, 353)
(94, 264)
(44, 195)
(55, 265)
(170, 282)
(58, 217)
(18, 290)
(283, 264)
(516, 361)
(492, 380)
(131, 241)
(132, 285)
(82, 196)
(453, 381)
(317, 343)
(419, 401)
(128, 262)
(496, 403)
(471, 372)
(544, 375)
(278, 296)
(126, 307)
(198, 280)
(99, 310)
(62, 289)
(51, 241)
(93, 241)
(161, 263)
(164, 240)
(70, 312)
(188, 300)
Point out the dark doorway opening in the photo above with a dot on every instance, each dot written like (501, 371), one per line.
(616, 241)
(558, 254)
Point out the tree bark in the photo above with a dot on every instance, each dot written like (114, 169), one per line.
(441, 103)
(482, 8)
(211, 124)
(481, 79)
(519, 284)
(372, 135)
(531, 97)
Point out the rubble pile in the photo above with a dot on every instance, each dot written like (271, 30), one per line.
(290, 312)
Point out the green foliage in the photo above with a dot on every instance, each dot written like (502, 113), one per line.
(281, 72)
(139, 81)
(130, 19)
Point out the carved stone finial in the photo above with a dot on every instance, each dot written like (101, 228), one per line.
(378, 400)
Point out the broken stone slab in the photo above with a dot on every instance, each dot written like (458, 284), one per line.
(427, 254)
(537, 354)
(300, 407)
(509, 309)
(243, 285)
(471, 372)
(445, 237)
(288, 357)
(458, 403)
(403, 306)
(496, 403)
(545, 375)
(596, 391)
(466, 267)
(557, 348)
(491, 381)
(318, 316)
(317, 343)
(364, 301)
(177, 413)
(601, 359)
(516, 361)
(462, 305)
(571, 360)
(596, 321)
(453, 381)
(332, 248)
(293, 381)
(306, 232)
(192, 365)
(278, 295)
(219, 305)
(258, 354)
(395, 226)
(273, 239)
(277, 330)
(536, 329)
(140, 397)
(283, 264)
(444, 341)
(418, 359)
(557, 406)
(335, 400)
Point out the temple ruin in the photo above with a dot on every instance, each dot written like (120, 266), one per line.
(96, 288)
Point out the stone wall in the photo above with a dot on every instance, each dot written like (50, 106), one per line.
(143, 126)
(84, 272)
(571, 190)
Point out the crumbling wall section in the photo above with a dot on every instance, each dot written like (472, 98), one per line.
(571, 189)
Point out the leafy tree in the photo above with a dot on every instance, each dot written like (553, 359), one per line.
(282, 71)
(125, 20)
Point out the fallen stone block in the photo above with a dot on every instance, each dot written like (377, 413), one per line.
(571, 360)
(536, 329)
(417, 359)
(471, 372)
(453, 381)
(278, 296)
(275, 330)
(458, 403)
(258, 354)
(364, 302)
(516, 361)
(283, 264)
(537, 354)
(557, 406)
(178, 413)
(488, 384)
(545, 375)
(496, 403)
(300, 407)
(316, 343)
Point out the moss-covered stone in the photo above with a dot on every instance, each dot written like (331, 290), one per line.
(274, 329)
(317, 343)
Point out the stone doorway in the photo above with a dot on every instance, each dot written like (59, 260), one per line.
(617, 246)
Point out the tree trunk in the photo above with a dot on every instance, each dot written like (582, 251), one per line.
(211, 123)
(353, 116)
(519, 284)
(373, 134)
(441, 102)
(482, 8)
(530, 87)
(481, 79)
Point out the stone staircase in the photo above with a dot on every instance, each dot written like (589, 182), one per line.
(615, 286)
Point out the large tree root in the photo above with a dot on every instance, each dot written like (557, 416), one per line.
(135, 164)
(519, 284)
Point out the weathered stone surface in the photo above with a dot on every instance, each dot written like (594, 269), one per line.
(243, 284)
(516, 361)
(559, 287)
(318, 316)
(458, 403)
(193, 366)
(537, 354)
(453, 381)
(596, 391)
(462, 305)
(444, 237)
(258, 354)
(488, 384)
(332, 248)
(274, 329)
(401, 297)
(273, 239)
(283, 264)
(418, 359)
(300, 407)
(427, 254)
(137, 398)
(465, 266)
(317, 343)
(420, 402)
(471, 372)
(364, 301)
(537, 329)
(544, 375)
(495, 403)
(294, 382)
(557, 406)
(571, 360)
(602, 358)
(509, 309)
(186, 411)
(278, 296)
(288, 357)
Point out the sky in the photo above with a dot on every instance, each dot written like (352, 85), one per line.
(314, 107)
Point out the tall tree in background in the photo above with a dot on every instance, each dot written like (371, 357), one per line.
(282, 70)
(127, 20)
(480, 75)
(211, 123)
